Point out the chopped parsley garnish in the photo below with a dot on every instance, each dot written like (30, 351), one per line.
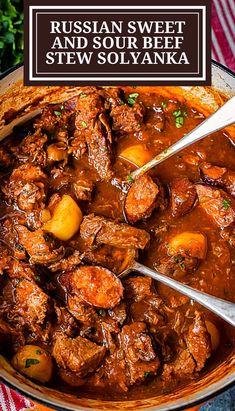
(165, 151)
(57, 113)
(163, 104)
(146, 374)
(129, 179)
(226, 203)
(134, 86)
(131, 99)
(179, 118)
(37, 278)
(38, 352)
(134, 95)
(102, 312)
(176, 113)
(83, 95)
(84, 124)
(31, 361)
(121, 102)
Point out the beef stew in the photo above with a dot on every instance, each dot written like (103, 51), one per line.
(71, 220)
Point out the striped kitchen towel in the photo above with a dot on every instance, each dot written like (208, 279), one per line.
(223, 32)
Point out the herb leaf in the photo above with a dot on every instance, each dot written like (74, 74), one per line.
(57, 113)
(226, 204)
(129, 179)
(134, 95)
(84, 124)
(31, 361)
(146, 374)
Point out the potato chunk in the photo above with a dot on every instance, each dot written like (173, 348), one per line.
(66, 219)
(189, 243)
(214, 334)
(34, 362)
(136, 154)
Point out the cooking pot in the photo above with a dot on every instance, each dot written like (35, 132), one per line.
(17, 100)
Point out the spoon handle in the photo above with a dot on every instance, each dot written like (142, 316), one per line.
(222, 308)
(223, 117)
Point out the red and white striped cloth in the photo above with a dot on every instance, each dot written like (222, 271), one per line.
(11, 401)
(223, 51)
(223, 32)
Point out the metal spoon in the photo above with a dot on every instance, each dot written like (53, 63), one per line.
(223, 117)
(222, 308)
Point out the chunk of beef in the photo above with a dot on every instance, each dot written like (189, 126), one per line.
(31, 302)
(112, 373)
(126, 118)
(20, 270)
(219, 205)
(92, 128)
(82, 312)
(183, 196)
(139, 354)
(96, 286)
(26, 187)
(68, 263)
(145, 303)
(141, 199)
(113, 258)
(65, 323)
(119, 312)
(219, 176)
(99, 150)
(32, 150)
(138, 288)
(102, 332)
(199, 342)
(39, 246)
(177, 265)
(99, 230)
(88, 108)
(78, 355)
(182, 366)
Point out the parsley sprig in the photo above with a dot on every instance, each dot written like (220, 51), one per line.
(11, 33)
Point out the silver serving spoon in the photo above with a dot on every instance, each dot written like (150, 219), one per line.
(222, 308)
(223, 117)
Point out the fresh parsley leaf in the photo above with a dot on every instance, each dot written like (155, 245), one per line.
(146, 374)
(37, 277)
(226, 203)
(185, 114)
(57, 113)
(134, 95)
(83, 95)
(11, 33)
(31, 361)
(179, 121)
(163, 104)
(38, 352)
(131, 101)
(129, 179)
(84, 124)
(176, 113)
